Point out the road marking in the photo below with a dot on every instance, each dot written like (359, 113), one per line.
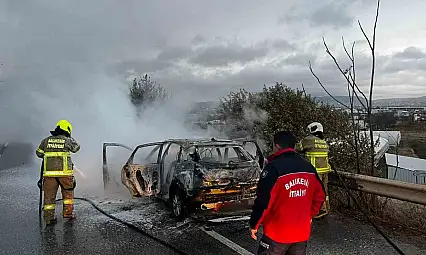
(227, 242)
(231, 218)
(3, 148)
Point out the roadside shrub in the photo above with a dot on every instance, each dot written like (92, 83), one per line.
(259, 115)
(144, 92)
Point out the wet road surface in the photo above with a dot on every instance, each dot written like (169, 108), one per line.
(22, 234)
(94, 233)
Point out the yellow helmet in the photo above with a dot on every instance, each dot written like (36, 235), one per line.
(65, 126)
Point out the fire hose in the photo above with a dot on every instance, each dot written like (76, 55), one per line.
(127, 224)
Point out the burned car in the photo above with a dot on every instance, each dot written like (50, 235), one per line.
(193, 175)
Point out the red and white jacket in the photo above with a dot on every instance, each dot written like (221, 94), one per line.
(289, 194)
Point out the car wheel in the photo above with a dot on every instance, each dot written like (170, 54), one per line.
(178, 204)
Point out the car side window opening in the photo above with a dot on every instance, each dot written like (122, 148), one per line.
(172, 153)
(146, 155)
(251, 148)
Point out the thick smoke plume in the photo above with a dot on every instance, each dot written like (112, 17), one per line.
(57, 61)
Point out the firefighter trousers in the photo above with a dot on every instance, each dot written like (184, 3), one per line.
(325, 208)
(50, 188)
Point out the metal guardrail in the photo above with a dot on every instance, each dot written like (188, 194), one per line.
(415, 193)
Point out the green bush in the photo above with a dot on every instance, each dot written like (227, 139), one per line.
(259, 115)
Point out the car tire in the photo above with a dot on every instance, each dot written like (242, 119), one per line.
(178, 204)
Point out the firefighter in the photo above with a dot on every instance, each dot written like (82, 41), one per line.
(57, 169)
(316, 149)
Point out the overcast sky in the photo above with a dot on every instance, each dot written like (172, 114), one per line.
(71, 58)
(211, 47)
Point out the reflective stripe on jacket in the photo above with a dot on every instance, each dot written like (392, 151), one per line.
(316, 151)
(55, 151)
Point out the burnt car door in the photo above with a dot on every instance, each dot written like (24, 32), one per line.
(170, 163)
(253, 148)
(106, 171)
(141, 173)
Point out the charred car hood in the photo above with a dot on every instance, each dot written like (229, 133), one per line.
(224, 173)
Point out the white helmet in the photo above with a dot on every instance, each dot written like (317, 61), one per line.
(315, 127)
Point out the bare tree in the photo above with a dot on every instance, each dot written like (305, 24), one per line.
(354, 90)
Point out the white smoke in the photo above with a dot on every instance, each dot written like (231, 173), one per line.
(253, 114)
(57, 65)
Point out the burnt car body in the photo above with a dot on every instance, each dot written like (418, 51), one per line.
(193, 175)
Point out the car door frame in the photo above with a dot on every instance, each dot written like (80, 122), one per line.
(167, 146)
(259, 152)
(105, 171)
(160, 149)
(159, 152)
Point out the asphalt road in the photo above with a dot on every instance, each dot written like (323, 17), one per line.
(93, 233)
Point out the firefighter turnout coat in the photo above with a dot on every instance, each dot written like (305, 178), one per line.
(58, 171)
(316, 151)
(55, 152)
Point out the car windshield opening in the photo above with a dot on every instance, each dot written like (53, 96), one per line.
(222, 154)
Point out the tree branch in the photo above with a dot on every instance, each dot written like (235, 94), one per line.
(351, 99)
(322, 86)
(303, 89)
(373, 66)
(353, 77)
(338, 66)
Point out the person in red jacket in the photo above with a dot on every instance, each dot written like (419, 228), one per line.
(289, 194)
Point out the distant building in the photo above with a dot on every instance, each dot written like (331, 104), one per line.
(403, 114)
(406, 169)
(393, 137)
(405, 108)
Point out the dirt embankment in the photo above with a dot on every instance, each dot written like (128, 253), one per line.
(413, 139)
(416, 141)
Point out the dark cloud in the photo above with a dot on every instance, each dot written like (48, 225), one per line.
(281, 44)
(139, 66)
(221, 55)
(293, 71)
(62, 58)
(394, 66)
(410, 53)
(299, 59)
(253, 79)
(198, 39)
(411, 59)
(334, 14)
(175, 53)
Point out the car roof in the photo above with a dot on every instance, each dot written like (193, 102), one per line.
(203, 142)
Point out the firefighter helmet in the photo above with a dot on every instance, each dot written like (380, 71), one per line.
(65, 126)
(315, 127)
